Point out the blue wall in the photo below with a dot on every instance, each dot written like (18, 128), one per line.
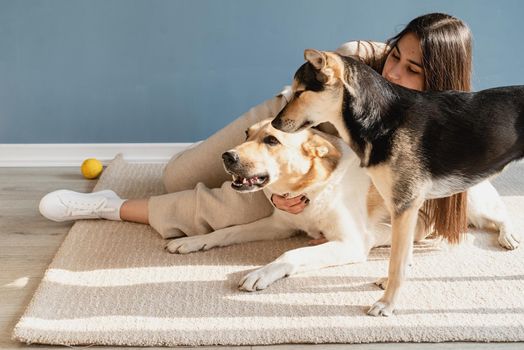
(109, 71)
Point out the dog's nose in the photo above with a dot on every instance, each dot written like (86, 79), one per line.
(230, 157)
(277, 123)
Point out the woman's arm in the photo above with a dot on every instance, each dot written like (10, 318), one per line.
(371, 53)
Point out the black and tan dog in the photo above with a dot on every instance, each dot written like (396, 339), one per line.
(414, 145)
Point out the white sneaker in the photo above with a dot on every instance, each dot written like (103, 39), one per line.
(65, 205)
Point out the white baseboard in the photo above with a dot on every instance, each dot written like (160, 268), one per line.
(73, 154)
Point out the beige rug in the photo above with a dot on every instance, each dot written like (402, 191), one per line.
(112, 283)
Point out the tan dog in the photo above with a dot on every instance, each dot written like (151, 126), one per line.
(311, 162)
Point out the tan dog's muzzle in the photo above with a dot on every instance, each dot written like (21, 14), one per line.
(243, 181)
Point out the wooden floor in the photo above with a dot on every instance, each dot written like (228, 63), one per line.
(28, 243)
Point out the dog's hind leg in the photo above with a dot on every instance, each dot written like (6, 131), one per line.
(381, 232)
(487, 210)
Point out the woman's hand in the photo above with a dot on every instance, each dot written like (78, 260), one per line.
(293, 205)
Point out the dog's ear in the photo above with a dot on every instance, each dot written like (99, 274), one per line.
(319, 147)
(319, 60)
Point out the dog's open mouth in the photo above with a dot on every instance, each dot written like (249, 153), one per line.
(249, 184)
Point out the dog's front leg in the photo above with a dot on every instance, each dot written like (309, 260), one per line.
(403, 228)
(332, 253)
(260, 230)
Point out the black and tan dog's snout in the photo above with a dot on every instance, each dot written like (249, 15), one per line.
(277, 123)
(283, 123)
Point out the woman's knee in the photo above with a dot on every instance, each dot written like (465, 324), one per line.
(184, 171)
(173, 176)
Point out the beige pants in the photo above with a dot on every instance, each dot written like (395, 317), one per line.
(200, 198)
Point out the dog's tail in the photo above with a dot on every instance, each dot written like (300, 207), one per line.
(448, 216)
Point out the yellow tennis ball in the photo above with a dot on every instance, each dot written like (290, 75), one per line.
(91, 168)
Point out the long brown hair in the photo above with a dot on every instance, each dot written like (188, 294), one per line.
(446, 50)
(447, 61)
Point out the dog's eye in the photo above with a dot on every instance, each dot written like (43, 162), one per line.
(271, 140)
(247, 134)
(298, 93)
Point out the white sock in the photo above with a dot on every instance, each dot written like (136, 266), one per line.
(114, 203)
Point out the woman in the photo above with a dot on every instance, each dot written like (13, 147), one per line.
(432, 53)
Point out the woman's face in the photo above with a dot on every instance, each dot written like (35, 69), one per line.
(404, 63)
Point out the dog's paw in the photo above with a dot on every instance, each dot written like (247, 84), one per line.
(381, 308)
(382, 283)
(509, 240)
(260, 279)
(188, 245)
